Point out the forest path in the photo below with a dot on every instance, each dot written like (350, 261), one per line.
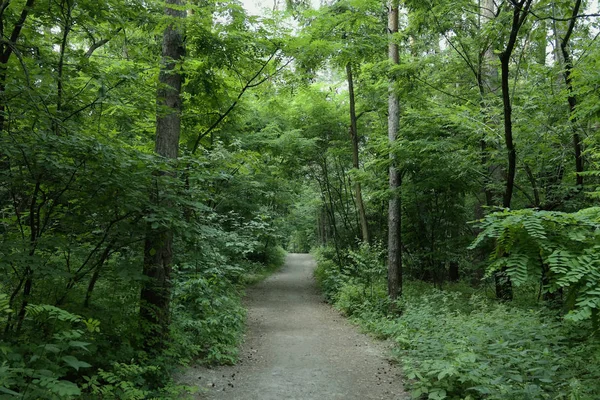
(299, 348)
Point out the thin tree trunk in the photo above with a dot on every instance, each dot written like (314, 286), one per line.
(330, 213)
(344, 201)
(7, 50)
(346, 198)
(520, 13)
(508, 133)
(521, 10)
(453, 271)
(487, 82)
(156, 290)
(355, 162)
(572, 98)
(394, 206)
(34, 229)
(96, 275)
(67, 8)
(322, 218)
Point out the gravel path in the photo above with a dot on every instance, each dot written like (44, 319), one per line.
(299, 348)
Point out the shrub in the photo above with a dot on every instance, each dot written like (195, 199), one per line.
(560, 249)
(208, 319)
(455, 345)
(360, 300)
(329, 278)
(494, 351)
(48, 367)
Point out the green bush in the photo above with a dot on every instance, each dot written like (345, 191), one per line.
(48, 367)
(358, 299)
(458, 345)
(329, 278)
(208, 319)
(255, 272)
(493, 352)
(558, 248)
(351, 298)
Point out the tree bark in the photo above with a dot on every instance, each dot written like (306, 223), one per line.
(453, 271)
(156, 290)
(521, 10)
(67, 8)
(395, 180)
(572, 98)
(355, 161)
(520, 13)
(6, 50)
(487, 82)
(508, 132)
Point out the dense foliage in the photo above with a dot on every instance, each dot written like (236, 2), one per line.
(156, 156)
(497, 151)
(460, 344)
(81, 189)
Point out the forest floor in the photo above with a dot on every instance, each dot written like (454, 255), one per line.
(298, 348)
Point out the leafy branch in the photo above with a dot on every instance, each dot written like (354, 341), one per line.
(249, 84)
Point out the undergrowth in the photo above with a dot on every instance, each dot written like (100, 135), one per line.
(458, 344)
(63, 355)
(209, 317)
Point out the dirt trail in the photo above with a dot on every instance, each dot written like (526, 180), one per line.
(298, 348)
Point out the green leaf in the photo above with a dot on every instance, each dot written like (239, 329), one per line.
(66, 388)
(81, 345)
(75, 363)
(517, 378)
(52, 348)
(8, 391)
(437, 394)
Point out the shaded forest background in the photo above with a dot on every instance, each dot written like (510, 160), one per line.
(156, 157)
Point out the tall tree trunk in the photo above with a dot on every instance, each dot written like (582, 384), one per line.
(520, 13)
(508, 133)
(572, 98)
(355, 162)
(156, 290)
(6, 49)
(487, 82)
(394, 206)
(329, 205)
(521, 10)
(34, 233)
(67, 9)
(453, 271)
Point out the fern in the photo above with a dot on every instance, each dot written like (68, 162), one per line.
(567, 243)
(52, 312)
(4, 305)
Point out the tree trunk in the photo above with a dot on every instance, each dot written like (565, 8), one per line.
(156, 290)
(395, 206)
(453, 272)
(6, 49)
(572, 98)
(487, 82)
(355, 162)
(521, 10)
(329, 210)
(66, 10)
(520, 13)
(96, 275)
(508, 132)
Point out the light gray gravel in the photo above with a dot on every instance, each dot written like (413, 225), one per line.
(299, 348)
